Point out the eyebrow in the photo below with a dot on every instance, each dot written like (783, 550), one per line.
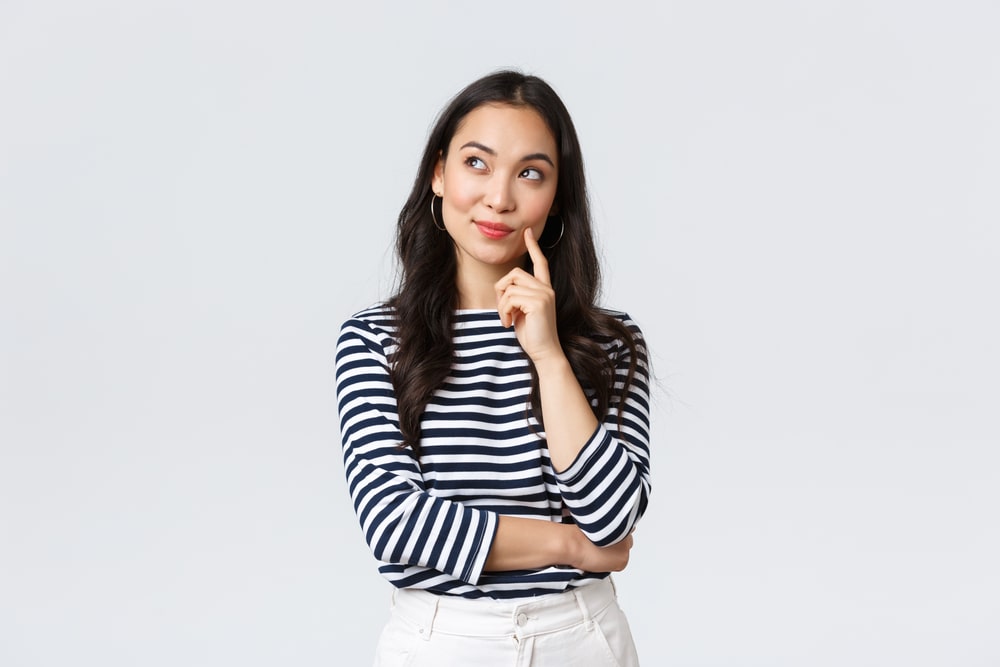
(526, 158)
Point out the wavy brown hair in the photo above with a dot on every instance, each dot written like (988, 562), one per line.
(427, 296)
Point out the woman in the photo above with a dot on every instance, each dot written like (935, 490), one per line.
(494, 420)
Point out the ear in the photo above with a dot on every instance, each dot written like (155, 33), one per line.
(437, 180)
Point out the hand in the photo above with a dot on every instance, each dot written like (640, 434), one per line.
(528, 303)
(592, 558)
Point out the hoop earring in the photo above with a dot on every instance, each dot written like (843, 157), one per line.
(562, 228)
(434, 217)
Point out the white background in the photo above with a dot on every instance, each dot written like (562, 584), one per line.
(798, 201)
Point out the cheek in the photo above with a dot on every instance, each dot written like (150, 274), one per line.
(460, 193)
(537, 208)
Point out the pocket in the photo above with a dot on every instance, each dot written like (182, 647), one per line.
(397, 645)
(611, 626)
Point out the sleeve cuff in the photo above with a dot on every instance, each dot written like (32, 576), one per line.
(583, 462)
(477, 562)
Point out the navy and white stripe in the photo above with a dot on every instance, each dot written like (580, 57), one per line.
(431, 522)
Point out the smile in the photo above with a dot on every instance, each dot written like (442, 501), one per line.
(493, 230)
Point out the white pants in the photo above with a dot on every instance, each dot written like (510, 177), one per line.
(580, 627)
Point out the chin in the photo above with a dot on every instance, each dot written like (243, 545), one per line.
(496, 258)
(498, 261)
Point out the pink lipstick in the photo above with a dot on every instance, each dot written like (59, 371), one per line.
(493, 230)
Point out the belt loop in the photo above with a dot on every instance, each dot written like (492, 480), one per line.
(588, 622)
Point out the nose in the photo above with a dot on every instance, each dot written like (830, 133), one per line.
(499, 194)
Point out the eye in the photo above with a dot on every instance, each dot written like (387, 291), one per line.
(475, 162)
(531, 174)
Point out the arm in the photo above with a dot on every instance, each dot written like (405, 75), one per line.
(402, 523)
(569, 421)
(604, 478)
(606, 488)
(524, 544)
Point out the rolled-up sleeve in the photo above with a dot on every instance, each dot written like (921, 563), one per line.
(606, 488)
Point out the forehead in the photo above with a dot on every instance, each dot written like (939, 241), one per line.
(505, 128)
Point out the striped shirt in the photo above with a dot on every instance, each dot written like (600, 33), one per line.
(430, 521)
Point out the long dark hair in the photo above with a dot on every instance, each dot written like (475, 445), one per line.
(427, 296)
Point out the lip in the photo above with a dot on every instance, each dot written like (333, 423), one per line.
(493, 230)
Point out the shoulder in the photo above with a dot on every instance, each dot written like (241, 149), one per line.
(621, 316)
(622, 321)
(379, 317)
(620, 335)
(375, 325)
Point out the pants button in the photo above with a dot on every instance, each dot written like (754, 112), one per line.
(522, 619)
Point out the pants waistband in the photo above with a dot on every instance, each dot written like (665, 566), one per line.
(486, 617)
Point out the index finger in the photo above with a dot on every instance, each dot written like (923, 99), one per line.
(538, 261)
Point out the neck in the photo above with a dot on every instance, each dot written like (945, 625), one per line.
(475, 283)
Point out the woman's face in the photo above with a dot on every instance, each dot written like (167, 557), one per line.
(499, 179)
